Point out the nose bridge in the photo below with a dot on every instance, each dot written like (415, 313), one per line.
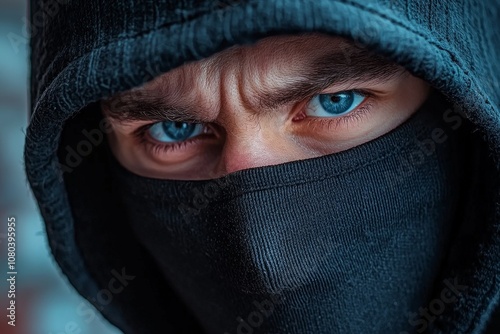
(251, 145)
(253, 137)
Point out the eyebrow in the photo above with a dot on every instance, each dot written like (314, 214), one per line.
(351, 64)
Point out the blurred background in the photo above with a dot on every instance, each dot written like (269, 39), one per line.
(45, 302)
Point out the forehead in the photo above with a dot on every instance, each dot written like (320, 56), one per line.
(275, 56)
(280, 51)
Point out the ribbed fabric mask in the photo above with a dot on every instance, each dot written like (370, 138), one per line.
(345, 243)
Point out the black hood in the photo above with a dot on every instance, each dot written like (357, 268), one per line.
(84, 51)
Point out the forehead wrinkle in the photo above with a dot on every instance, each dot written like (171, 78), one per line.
(235, 74)
(267, 72)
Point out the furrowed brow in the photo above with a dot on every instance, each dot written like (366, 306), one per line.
(354, 66)
(140, 105)
(349, 65)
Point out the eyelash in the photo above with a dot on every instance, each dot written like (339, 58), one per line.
(357, 114)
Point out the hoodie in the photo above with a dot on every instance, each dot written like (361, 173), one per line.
(82, 52)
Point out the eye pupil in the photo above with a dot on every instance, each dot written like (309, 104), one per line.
(335, 98)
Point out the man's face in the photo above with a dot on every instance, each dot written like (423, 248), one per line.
(282, 99)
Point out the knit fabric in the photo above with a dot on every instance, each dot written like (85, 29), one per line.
(83, 51)
(332, 245)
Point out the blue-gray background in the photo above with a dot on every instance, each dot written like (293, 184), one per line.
(45, 301)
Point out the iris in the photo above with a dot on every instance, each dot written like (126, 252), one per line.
(335, 105)
(171, 132)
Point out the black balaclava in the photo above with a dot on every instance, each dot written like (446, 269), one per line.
(336, 244)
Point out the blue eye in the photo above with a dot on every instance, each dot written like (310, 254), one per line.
(334, 105)
(174, 132)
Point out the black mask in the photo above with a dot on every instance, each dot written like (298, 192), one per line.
(345, 243)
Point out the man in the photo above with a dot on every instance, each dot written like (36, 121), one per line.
(263, 174)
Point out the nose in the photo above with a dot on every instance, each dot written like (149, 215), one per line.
(256, 145)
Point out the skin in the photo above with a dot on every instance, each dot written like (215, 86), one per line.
(241, 132)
